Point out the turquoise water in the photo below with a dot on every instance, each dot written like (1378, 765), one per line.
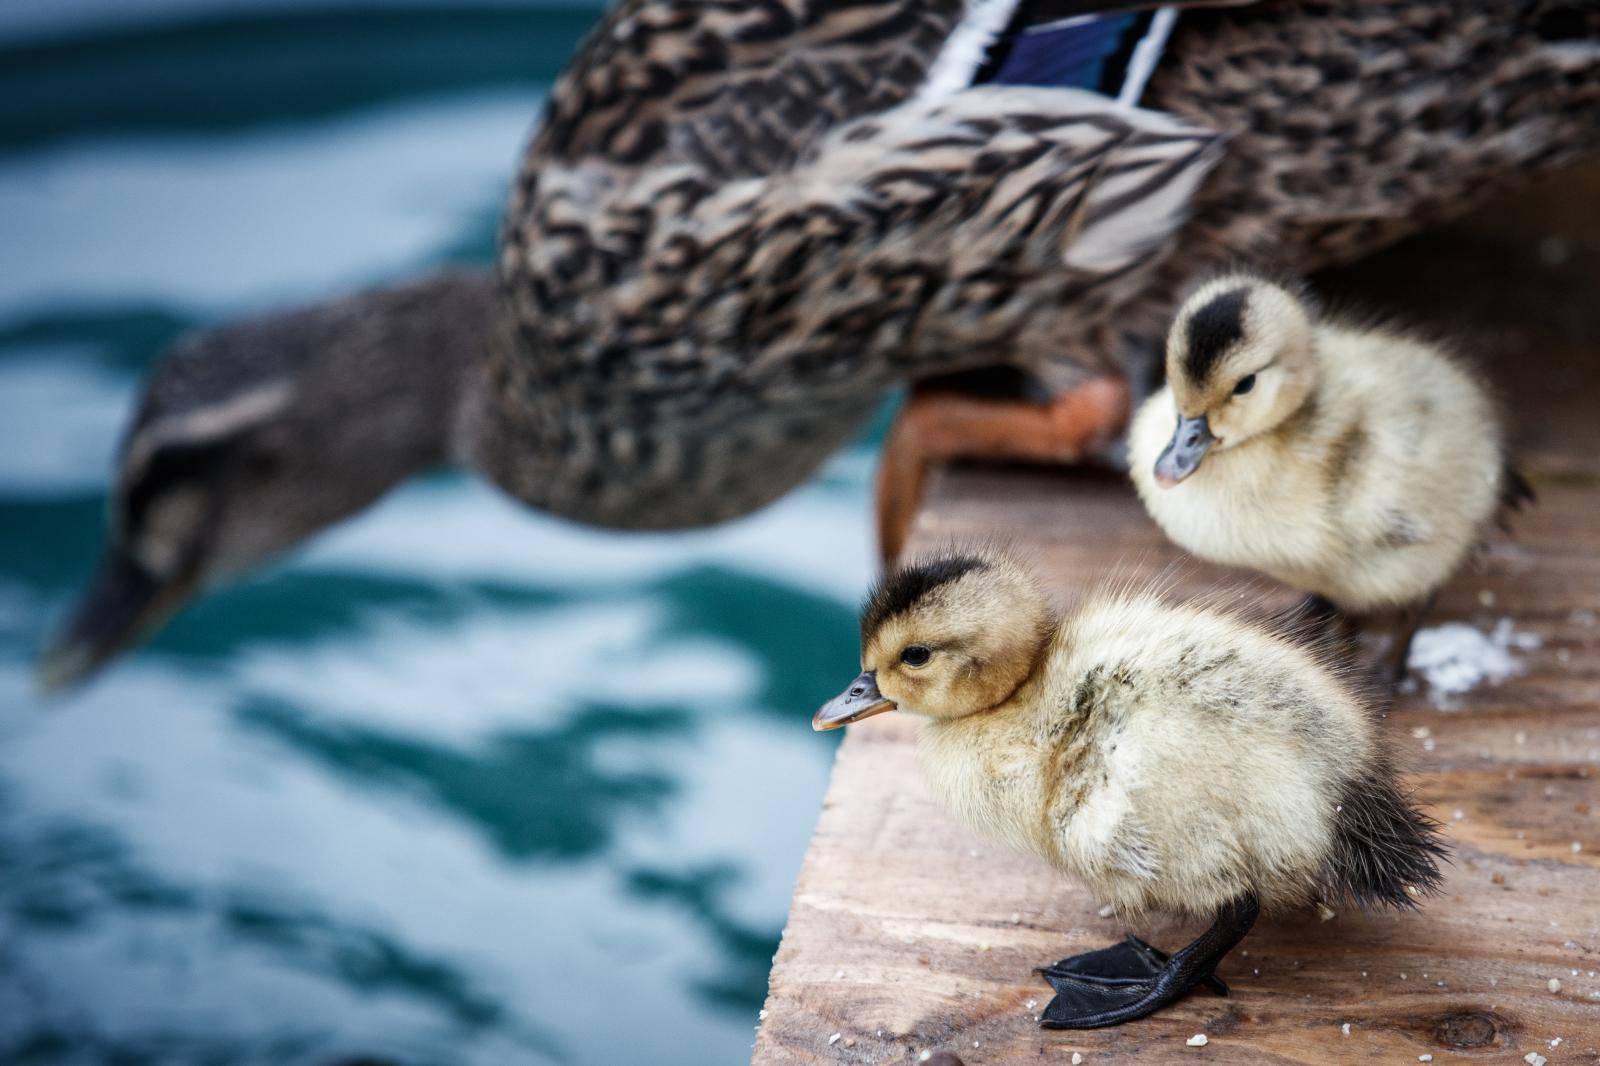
(459, 783)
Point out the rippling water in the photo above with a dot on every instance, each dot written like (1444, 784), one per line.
(458, 784)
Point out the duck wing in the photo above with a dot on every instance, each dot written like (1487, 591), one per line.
(736, 88)
(941, 232)
(743, 88)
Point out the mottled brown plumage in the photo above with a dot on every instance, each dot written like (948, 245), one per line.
(739, 225)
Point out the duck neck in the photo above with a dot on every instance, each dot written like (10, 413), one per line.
(400, 380)
(607, 447)
(374, 381)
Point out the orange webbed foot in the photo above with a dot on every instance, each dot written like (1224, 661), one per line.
(938, 425)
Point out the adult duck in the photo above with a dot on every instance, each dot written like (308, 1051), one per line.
(740, 225)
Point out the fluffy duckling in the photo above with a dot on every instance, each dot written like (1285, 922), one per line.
(1357, 464)
(1173, 758)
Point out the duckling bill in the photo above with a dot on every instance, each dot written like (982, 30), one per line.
(1174, 758)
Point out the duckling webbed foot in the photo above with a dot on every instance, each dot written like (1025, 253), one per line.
(1131, 980)
(1131, 960)
(1411, 619)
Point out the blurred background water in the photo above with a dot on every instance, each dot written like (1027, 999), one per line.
(459, 784)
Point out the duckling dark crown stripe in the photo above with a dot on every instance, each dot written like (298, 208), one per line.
(899, 591)
(1212, 330)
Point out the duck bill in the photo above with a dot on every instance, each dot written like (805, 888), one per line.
(1189, 444)
(123, 603)
(861, 699)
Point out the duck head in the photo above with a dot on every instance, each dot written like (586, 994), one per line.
(946, 635)
(247, 441)
(1240, 360)
(201, 493)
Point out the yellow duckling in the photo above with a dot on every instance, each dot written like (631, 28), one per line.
(1173, 758)
(1358, 464)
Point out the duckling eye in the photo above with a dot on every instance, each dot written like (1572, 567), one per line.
(1246, 383)
(916, 655)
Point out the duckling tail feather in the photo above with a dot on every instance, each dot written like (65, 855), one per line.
(1385, 851)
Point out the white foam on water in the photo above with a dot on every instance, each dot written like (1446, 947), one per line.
(215, 224)
(460, 680)
(202, 800)
(26, 20)
(62, 414)
(816, 539)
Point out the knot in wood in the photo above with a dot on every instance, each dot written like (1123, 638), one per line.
(1466, 1028)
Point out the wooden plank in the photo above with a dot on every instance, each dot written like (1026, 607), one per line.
(908, 934)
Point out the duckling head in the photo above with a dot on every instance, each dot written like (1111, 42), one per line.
(946, 635)
(1240, 360)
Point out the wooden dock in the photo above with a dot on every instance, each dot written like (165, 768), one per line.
(908, 935)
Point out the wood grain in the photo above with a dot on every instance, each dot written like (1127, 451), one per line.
(907, 934)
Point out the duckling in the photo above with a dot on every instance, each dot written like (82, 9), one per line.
(738, 228)
(1174, 758)
(1355, 463)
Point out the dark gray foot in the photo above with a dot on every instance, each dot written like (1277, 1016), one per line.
(1131, 960)
(1411, 620)
(1131, 980)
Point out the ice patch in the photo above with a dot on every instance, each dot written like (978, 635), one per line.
(1455, 658)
